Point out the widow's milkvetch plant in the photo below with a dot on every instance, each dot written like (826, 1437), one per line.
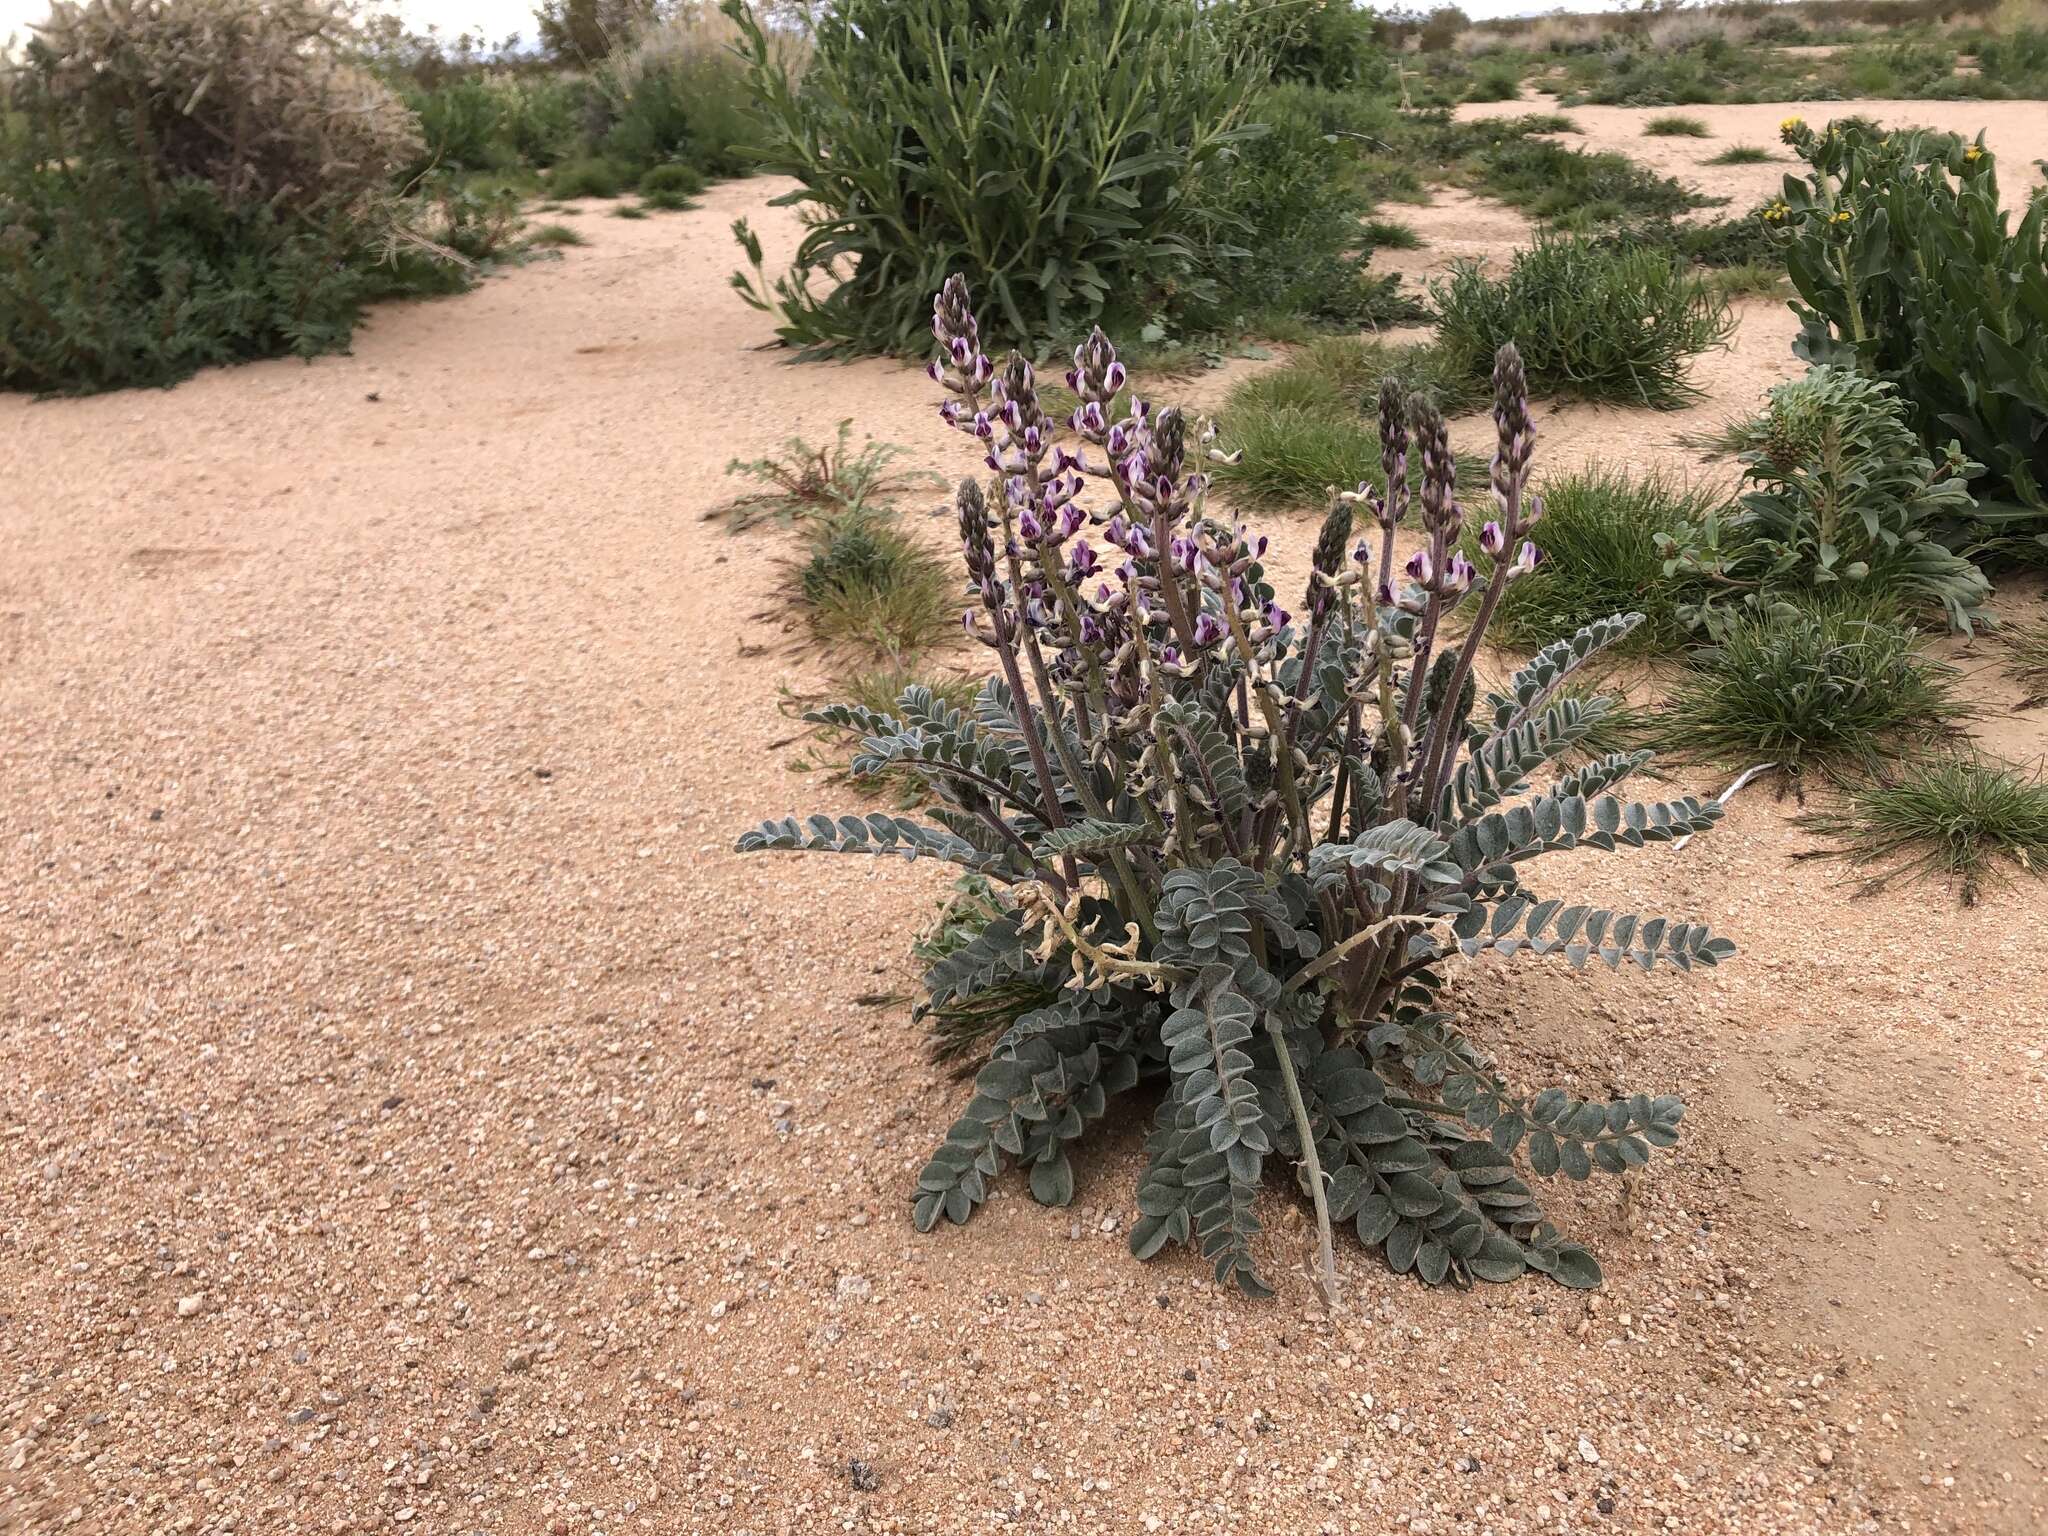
(1234, 843)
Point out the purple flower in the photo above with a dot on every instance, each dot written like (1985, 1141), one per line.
(1028, 526)
(1208, 629)
(960, 349)
(1493, 539)
(1081, 562)
(1421, 569)
(1458, 576)
(1527, 558)
(1115, 377)
(1277, 616)
(983, 427)
(935, 370)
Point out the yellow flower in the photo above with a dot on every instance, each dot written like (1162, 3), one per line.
(1974, 153)
(1776, 212)
(1840, 216)
(1792, 125)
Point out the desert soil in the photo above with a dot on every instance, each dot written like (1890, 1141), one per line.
(417, 1118)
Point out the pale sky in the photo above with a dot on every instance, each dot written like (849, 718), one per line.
(495, 18)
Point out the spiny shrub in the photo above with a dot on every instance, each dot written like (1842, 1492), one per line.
(1601, 532)
(1909, 269)
(1840, 491)
(1232, 847)
(1068, 173)
(1961, 818)
(1835, 685)
(1592, 321)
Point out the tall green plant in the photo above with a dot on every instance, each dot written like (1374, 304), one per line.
(1908, 268)
(1051, 144)
(1235, 845)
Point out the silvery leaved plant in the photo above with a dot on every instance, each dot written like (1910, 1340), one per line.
(1234, 842)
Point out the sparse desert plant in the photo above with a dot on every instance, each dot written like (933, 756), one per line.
(1676, 126)
(1068, 175)
(629, 211)
(1749, 280)
(1601, 527)
(807, 481)
(1742, 154)
(556, 235)
(1962, 818)
(1839, 493)
(1592, 321)
(2027, 662)
(1834, 686)
(1240, 844)
(1908, 268)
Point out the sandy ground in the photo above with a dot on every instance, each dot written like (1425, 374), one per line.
(416, 1118)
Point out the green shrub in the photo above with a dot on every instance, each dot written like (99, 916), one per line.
(1601, 528)
(463, 123)
(206, 182)
(1282, 234)
(1596, 323)
(1329, 44)
(1070, 176)
(589, 176)
(1495, 82)
(1555, 182)
(671, 180)
(1832, 686)
(680, 95)
(1840, 492)
(1961, 818)
(557, 235)
(1255, 920)
(1391, 235)
(541, 117)
(1675, 126)
(1908, 268)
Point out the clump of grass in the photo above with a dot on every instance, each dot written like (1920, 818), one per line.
(1964, 819)
(2027, 663)
(1292, 452)
(1748, 280)
(1594, 321)
(1742, 154)
(1391, 235)
(1307, 425)
(806, 481)
(1551, 181)
(629, 211)
(556, 235)
(1600, 556)
(588, 177)
(1823, 687)
(868, 587)
(667, 202)
(675, 177)
(1675, 125)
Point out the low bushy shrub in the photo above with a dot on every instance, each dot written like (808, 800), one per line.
(1675, 126)
(1840, 492)
(1592, 321)
(1835, 685)
(1068, 175)
(1229, 846)
(1908, 268)
(679, 95)
(463, 124)
(187, 182)
(587, 176)
(1557, 183)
